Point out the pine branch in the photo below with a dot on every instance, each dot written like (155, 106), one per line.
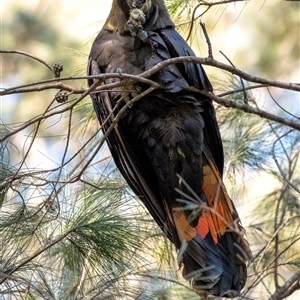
(288, 288)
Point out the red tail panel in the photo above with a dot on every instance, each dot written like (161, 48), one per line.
(219, 214)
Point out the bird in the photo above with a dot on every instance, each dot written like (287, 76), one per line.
(164, 138)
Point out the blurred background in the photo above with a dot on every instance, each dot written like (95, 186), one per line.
(259, 37)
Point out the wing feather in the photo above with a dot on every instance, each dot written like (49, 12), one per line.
(126, 156)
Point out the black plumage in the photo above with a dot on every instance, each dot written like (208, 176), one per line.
(169, 140)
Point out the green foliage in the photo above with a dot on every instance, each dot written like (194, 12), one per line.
(243, 135)
(90, 235)
(253, 147)
(4, 168)
(174, 6)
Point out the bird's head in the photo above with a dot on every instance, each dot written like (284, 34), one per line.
(138, 3)
(156, 14)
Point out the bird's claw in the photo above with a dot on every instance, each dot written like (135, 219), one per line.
(137, 18)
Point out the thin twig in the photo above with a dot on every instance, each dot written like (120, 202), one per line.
(28, 55)
(279, 166)
(209, 46)
(241, 80)
(288, 284)
(252, 110)
(209, 5)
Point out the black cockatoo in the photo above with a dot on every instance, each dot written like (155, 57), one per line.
(167, 144)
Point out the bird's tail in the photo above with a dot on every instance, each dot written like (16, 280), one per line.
(215, 253)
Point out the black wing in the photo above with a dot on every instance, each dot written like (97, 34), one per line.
(128, 159)
(196, 77)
